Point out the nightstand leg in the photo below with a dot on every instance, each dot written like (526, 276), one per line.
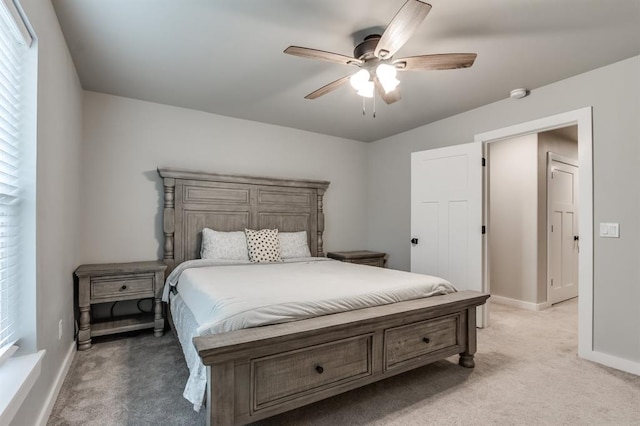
(84, 329)
(158, 329)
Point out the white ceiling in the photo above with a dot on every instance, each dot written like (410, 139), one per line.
(225, 56)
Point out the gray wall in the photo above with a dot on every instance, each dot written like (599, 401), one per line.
(513, 218)
(614, 93)
(59, 125)
(125, 140)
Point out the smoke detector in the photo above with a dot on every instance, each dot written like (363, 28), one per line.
(519, 93)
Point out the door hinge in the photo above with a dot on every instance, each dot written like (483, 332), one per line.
(484, 162)
(484, 229)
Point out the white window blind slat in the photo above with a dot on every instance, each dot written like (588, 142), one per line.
(9, 82)
(5, 143)
(7, 149)
(10, 127)
(8, 51)
(12, 49)
(7, 107)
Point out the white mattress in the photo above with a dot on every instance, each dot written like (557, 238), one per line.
(228, 297)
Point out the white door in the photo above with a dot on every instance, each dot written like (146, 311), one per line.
(446, 215)
(562, 228)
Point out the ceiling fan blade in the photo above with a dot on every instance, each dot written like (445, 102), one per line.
(390, 97)
(402, 27)
(328, 88)
(306, 52)
(446, 61)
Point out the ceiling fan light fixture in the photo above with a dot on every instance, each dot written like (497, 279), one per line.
(359, 79)
(366, 90)
(387, 76)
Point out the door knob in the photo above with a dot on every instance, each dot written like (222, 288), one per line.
(414, 241)
(576, 238)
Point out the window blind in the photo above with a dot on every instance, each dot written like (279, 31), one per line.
(12, 49)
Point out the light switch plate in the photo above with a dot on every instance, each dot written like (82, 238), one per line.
(610, 230)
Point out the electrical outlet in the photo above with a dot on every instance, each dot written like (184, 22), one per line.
(59, 329)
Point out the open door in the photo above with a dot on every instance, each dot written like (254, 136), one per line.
(446, 216)
(562, 228)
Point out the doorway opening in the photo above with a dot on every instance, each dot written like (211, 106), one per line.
(532, 218)
(582, 119)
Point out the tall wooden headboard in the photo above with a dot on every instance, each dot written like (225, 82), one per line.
(197, 200)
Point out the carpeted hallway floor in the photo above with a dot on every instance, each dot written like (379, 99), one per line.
(527, 373)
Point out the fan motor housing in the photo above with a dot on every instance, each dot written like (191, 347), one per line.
(366, 49)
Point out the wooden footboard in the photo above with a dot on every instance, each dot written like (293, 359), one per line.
(259, 372)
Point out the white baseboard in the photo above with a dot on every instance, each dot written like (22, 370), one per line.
(57, 385)
(621, 364)
(529, 306)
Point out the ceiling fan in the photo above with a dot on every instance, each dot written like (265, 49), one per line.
(375, 57)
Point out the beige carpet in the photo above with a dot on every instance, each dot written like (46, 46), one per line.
(527, 373)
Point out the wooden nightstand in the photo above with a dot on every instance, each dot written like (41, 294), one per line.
(114, 282)
(362, 257)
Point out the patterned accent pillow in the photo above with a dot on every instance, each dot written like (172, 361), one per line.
(264, 245)
(293, 245)
(224, 245)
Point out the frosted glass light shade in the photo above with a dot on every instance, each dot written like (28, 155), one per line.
(359, 79)
(366, 90)
(387, 76)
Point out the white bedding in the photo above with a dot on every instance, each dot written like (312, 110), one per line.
(228, 297)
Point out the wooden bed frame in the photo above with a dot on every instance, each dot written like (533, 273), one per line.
(259, 372)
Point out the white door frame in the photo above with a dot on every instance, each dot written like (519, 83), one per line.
(581, 117)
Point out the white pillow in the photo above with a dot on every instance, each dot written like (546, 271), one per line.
(294, 244)
(224, 245)
(264, 245)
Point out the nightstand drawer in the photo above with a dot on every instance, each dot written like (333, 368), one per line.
(379, 262)
(122, 287)
(361, 257)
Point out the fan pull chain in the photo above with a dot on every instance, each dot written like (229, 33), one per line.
(374, 106)
(364, 106)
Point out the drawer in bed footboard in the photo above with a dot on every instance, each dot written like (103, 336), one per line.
(280, 378)
(413, 341)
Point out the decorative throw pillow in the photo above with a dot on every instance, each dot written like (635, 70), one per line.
(293, 244)
(264, 245)
(224, 245)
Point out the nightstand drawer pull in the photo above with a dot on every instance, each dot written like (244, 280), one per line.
(426, 339)
(124, 287)
(319, 369)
